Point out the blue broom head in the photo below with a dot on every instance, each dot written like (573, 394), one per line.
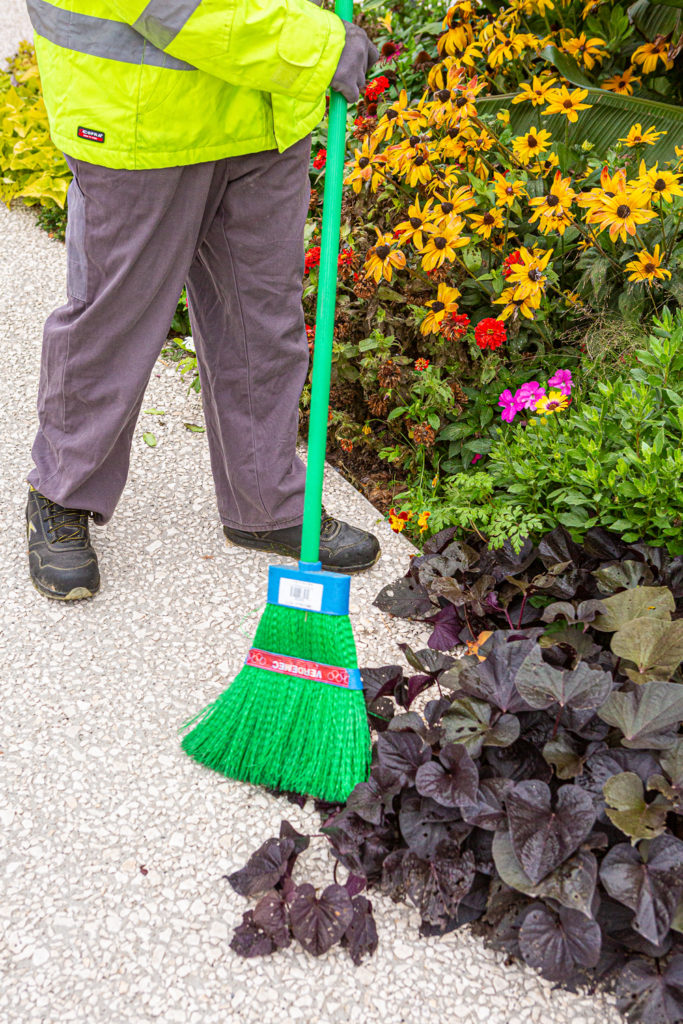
(309, 588)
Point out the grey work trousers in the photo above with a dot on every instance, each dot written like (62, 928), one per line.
(232, 230)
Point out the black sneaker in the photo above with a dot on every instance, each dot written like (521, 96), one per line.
(343, 548)
(62, 561)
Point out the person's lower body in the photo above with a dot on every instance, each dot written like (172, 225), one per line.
(233, 230)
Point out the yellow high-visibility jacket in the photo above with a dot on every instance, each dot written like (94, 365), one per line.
(163, 83)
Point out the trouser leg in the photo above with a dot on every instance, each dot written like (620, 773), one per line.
(131, 238)
(245, 289)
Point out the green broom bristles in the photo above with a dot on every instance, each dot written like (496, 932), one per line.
(287, 732)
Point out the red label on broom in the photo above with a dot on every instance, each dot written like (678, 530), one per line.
(303, 669)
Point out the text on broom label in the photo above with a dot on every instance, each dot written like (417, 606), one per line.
(297, 667)
(298, 594)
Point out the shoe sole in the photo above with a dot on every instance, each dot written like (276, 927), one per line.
(274, 549)
(77, 594)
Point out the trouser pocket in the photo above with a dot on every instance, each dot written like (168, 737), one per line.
(76, 258)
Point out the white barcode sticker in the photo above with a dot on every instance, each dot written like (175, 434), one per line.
(299, 594)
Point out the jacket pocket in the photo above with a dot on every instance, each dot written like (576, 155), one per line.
(302, 39)
(76, 258)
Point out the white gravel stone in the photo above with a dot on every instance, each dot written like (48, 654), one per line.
(95, 783)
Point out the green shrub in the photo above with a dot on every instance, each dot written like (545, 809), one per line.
(614, 459)
(31, 167)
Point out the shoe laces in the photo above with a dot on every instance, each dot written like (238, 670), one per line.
(65, 524)
(327, 523)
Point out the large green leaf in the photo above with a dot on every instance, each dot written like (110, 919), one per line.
(609, 118)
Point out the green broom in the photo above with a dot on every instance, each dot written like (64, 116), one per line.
(294, 717)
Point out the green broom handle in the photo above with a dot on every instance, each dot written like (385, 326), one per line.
(324, 322)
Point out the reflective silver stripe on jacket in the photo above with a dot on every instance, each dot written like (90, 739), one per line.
(99, 37)
(162, 20)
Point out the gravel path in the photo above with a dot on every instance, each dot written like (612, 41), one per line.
(113, 844)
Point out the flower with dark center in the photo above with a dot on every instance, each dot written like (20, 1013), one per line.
(383, 251)
(438, 306)
(535, 274)
(418, 161)
(623, 211)
(446, 207)
(391, 114)
(659, 185)
(650, 268)
(440, 242)
(415, 222)
(552, 200)
(363, 162)
(443, 95)
(461, 101)
(568, 105)
(531, 141)
(414, 140)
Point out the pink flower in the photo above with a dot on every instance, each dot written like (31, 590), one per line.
(528, 395)
(510, 406)
(562, 380)
(476, 458)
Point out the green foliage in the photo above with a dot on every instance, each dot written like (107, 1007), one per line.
(614, 459)
(31, 167)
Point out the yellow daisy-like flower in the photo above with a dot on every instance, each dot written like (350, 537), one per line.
(417, 169)
(399, 114)
(623, 212)
(657, 184)
(383, 257)
(477, 141)
(647, 267)
(456, 202)
(594, 201)
(366, 167)
(507, 191)
(422, 521)
(527, 277)
(622, 83)
(650, 54)
(589, 51)
(554, 401)
(530, 146)
(419, 221)
(552, 211)
(562, 101)
(637, 137)
(508, 49)
(503, 116)
(440, 248)
(485, 223)
(540, 6)
(515, 305)
(445, 303)
(536, 92)
(549, 164)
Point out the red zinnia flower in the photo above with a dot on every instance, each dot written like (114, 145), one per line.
(312, 258)
(490, 333)
(310, 334)
(421, 364)
(455, 325)
(509, 262)
(346, 257)
(320, 159)
(376, 88)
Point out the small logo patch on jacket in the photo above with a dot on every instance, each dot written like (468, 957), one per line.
(90, 135)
